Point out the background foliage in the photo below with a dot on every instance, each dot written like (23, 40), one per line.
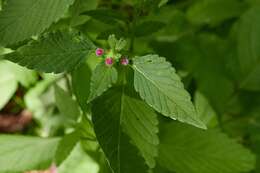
(188, 101)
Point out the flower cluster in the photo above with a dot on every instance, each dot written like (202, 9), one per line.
(110, 58)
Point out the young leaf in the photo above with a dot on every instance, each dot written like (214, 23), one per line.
(249, 49)
(20, 153)
(67, 106)
(148, 27)
(117, 113)
(103, 77)
(65, 147)
(20, 20)
(56, 52)
(159, 85)
(195, 151)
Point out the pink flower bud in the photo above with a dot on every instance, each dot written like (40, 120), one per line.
(124, 61)
(109, 61)
(99, 52)
(53, 169)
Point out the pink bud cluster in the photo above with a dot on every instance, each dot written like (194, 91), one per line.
(99, 52)
(109, 61)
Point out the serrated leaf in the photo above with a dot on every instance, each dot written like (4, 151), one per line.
(195, 151)
(214, 12)
(65, 147)
(67, 106)
(148, 27)
(20, 153)
(249, 49)
(159, 85)
(117, 113)
(102, 78)
(19, 20)
(55, 52)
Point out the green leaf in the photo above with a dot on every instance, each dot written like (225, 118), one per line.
(107, 16)
(8, 84)
(148, 28)
(67, 106)
(56, 52)
(19, 20)
(117, 113)
(205, 110)
(65, 147)
(195, 151)
(162, 3)
(81, 78)
(102, 78)
(78, 7)
(20, 153)
(159, 85)
(214, 12)
(79, 161)
(249, 49)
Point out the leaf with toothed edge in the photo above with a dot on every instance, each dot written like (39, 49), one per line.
(19, 20)
(192, 150)
(159, 85)
(102, 78)
(119, 112)
(55, 52)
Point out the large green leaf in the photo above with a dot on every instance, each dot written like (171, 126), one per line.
(20, 20)
(214, 12)
(55, 52)
(187, 149)
(102, 78)
(119, 112)
(159, 85)
(20, 153)
(249, 49)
